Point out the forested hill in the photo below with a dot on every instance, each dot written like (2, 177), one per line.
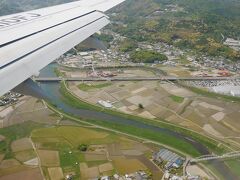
(14, 6)
(201, 25)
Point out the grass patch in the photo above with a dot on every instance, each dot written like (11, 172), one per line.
(234, 165)
(88, 87)
(177, 99)
(59, 73)
(70, 162)
(96, 163)
(15, 132)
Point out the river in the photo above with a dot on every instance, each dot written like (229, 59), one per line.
(55, 97)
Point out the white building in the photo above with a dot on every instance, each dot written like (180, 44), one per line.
(105, 104)
(83, 53)
(235, 44)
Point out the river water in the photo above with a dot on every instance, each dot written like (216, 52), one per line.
(55, 97)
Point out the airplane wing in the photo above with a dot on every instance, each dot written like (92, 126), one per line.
(29, 41)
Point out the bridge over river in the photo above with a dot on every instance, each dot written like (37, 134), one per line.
(164, 78)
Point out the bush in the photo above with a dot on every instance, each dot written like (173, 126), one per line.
(83, 147)
(140, 106)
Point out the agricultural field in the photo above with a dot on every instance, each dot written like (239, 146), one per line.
(17, 155)
(162, 100)
(106, 154)
(25, 110)
(87, 87)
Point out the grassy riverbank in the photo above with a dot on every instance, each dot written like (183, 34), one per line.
(211, 144)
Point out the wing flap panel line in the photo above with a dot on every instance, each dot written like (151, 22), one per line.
(37, 32)
(19, 71)
(24, 57)
(9, 53)
(45, 45)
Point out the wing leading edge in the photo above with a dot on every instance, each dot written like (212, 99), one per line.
(31, 40)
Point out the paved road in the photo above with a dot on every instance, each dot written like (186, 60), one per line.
(166, 78)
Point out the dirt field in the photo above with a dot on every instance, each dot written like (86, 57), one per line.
(55, 173)
(93, 162)
(195, 171)
(77, 135)
(105, 167)
(30, 109)
(89, 173)
(124, 166)
(94, 156)
(25, 155)
(21, 145)
(195, 112)
(1, 157)
(49, 158)
(9, 163)
(24, 175)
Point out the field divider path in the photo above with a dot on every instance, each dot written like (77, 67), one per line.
(39, 160)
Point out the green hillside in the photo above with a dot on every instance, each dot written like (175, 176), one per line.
(196, 24)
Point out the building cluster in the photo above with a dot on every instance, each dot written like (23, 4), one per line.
(200, 61)
(234, 44)
(218, 63)
(168, 8)
(139, 175)
(227, 87)
(9, 98)
(90, 58)
(169, 176)
(168, 159)
(113, 56)
(170, 51)
(104, 74)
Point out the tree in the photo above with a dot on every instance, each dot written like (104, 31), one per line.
(83, 147)
(128, 45)
(140, 106)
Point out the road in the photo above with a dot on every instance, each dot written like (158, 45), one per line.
(164, 78)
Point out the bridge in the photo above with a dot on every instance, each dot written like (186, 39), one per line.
(164, 78)
(214, 157)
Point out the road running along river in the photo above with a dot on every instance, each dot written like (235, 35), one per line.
(55, 97)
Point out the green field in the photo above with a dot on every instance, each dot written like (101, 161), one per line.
(177, 99)
(13, 133)
(59, 73)
(71, 137)
(88, 87)
(234, 164)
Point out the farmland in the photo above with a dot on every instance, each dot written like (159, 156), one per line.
(98, 160)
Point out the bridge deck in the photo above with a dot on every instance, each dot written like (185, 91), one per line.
(56, 79)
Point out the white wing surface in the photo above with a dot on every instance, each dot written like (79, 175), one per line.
(29, 41)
